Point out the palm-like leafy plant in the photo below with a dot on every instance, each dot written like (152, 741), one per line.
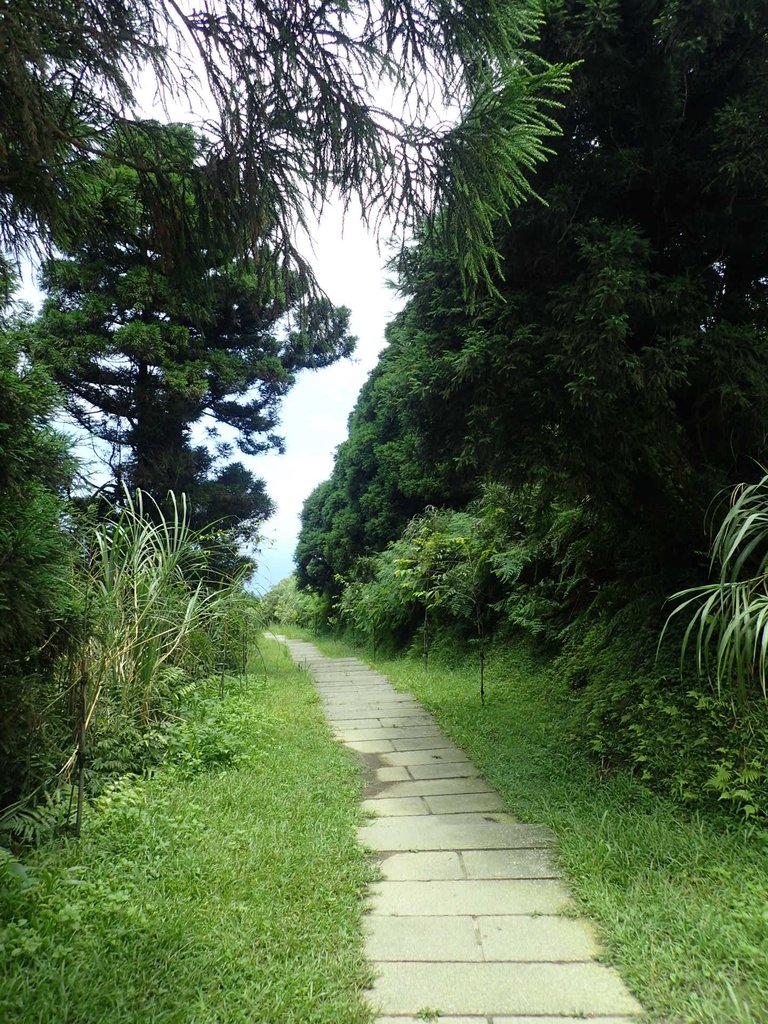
(728, 626)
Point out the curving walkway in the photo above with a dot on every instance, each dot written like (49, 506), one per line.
(470, 918)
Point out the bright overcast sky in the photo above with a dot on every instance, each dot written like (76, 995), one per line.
(314, 419)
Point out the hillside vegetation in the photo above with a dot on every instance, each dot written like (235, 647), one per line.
(555, 458)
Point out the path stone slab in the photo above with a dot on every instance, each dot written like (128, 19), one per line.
(371, 746)
(369, 709)
(328, 666)
(438, 770)
(442, 1019)
(421, 938)
(532, 1020)
(357, 724)
(387, 697)
(402, 705)
(433, 833)
(423, 734)
(427, 741)
(443, 755)
(392, 775)
(435, 787)
(377, 687)
(420, 732)
(358, 693)
(536, 938)
(345, 715)
(475, 897)
(323, 672)
(337, 715)
(348, 674)
(502, 989)
(406, 720)
(509, 864)
(399, 805)
(375, 732)
(465, 802)
(485, 1019)
(428, 866)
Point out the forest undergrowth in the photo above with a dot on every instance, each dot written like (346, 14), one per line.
(679, 895)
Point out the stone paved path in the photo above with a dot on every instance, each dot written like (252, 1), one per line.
(468, 917)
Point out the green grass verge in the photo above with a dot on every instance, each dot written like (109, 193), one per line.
(681, 899)
(230, 894)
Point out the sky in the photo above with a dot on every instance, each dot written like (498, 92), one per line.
(314, 420)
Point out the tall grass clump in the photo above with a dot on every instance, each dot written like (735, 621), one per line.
(155, 621)
(156, 624)
(151, 609)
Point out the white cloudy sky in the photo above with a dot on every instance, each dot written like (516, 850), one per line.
(314, 419)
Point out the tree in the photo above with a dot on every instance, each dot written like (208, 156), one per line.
(626, 370)
(295, 118)
(383, 476)
(143, 355)
(37, 605)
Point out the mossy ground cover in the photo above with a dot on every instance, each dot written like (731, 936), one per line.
(226, 892)
(681, 898)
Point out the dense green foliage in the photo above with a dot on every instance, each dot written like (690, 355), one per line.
(37, 606)
(286, 605)
(679, 897)
(593, 409)
(226, 888)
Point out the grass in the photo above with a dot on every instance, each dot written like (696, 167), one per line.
(229, 893)
(681, 899)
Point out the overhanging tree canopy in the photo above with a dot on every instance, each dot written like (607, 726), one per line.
(291, 86)
(626, 371)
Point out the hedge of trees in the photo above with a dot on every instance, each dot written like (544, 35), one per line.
(587, 411)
